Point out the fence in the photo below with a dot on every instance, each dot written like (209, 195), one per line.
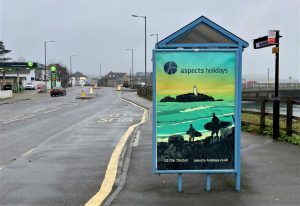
(288, 116)
(255, 85)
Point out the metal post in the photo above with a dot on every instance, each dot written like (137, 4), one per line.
(276, 106)
(179, 182)
(3, 77)
(131, 66)
(18, 79)
(145, 50)
(45, 48)
(238, 181)
(208, 182)
(71, 71)
(100, 72)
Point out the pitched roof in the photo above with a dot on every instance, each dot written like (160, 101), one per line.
(202, 32)
(115, 75)
(77, 74)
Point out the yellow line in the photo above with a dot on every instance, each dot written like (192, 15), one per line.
(111, 171)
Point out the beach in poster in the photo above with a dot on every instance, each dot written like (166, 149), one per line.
(195, 110)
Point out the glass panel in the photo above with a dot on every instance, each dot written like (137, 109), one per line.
(202, 34)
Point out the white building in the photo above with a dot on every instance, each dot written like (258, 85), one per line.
(77, 79)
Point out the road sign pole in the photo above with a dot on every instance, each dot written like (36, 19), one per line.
(276, 103)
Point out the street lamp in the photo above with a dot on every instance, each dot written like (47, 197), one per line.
(269, 74)
(72, 55)
(131, 71)
(156, 36)
(45, 47)
(145, 18)
(100, 70)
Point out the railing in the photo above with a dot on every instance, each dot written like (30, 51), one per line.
(288, 116)
(255, 85)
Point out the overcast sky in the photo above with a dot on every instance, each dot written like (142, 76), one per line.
(101, 30)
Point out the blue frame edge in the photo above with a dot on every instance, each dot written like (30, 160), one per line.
(238, 86)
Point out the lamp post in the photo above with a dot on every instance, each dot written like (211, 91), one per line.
(45, 47)
(100, 71)
(145, 18)
(156, 37)
(73, 55)
(131, 71)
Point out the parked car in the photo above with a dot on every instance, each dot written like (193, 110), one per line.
(58, 91)
(7, 87)
(29, 86)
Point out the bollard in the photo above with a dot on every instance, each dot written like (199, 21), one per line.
(82, 93)
(91, 91)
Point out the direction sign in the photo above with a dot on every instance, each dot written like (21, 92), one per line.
(272, 37)
(261, 42)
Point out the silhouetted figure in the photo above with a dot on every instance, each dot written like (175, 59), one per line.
(215, 123)
(191, 132)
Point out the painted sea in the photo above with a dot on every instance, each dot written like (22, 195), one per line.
(174, 118)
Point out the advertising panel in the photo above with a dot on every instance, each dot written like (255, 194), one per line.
(194, 110)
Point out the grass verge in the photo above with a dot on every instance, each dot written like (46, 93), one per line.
(255, 129)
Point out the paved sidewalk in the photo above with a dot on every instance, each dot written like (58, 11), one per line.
(270, 176)
(26, 95)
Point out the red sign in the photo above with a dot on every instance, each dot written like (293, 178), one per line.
(272, 37)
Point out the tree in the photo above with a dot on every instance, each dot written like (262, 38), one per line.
(3, 51)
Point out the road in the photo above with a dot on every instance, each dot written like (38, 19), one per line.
(55, 150)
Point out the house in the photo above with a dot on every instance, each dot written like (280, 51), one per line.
(77, 79)
(113, 79)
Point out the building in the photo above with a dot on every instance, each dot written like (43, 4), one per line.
(140, 78)
(17, 74)
(113, 79)
(77, 79)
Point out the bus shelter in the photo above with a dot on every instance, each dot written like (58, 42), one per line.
(197, 102)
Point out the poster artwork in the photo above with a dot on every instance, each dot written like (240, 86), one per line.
(195, 110)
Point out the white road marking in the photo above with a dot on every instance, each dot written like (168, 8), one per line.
(52, 110)
(112, 167)
(137, 138)
(2, 167)
(72, 105)
(27, 153)
(39, 110)
(19, 118)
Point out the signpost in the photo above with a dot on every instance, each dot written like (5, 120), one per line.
(266, 41)
(53, 76)
(197, 102)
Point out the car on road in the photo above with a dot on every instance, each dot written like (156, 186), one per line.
(29, 86)
(58, 91)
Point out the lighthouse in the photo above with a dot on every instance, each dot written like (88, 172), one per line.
(195, 90)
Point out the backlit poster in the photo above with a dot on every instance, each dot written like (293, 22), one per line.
(194, 110)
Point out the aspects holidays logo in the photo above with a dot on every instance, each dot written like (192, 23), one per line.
(170, 67)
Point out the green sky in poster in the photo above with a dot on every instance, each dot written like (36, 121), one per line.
(217, 77)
